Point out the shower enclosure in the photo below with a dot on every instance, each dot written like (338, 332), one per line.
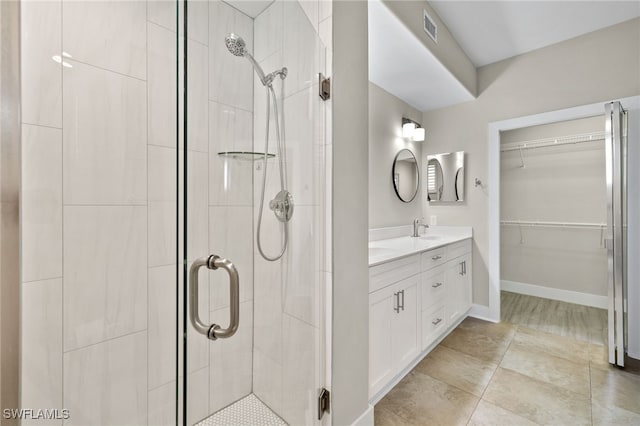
(176, 198)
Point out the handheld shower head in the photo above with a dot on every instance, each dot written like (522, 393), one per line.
(235, 44)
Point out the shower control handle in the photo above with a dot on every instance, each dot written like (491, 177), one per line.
(282, 206)
(214, 331)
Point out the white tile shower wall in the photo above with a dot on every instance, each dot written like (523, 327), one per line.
(99, 162)
(229, 74)
(41, 40)
(289, 294)
(109, 34)
(105, 384)
(162, 326)
(231, 235)
(301, 48)
(105, 273)
(230, 202)
(268, 29)
(162, 405)
(41, 202)
(104, 137)
(197, 399)
(41, 322)
(161, 83)
(231, 360)
(197, 89)
(41, 112)
(162, 212)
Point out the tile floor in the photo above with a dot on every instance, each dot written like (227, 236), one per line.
(514, 374)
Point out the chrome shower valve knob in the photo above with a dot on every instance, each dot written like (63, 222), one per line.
(282, 206)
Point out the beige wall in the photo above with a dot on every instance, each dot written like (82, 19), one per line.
(447, 50)
(385, 140)
(557, 184)
(571, 73)
(350, 329)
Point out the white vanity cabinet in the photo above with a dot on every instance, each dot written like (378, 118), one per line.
(393, 320)
(413, 302)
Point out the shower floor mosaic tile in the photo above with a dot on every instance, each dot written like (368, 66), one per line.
(248, 411)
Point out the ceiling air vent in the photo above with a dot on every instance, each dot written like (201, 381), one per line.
(430, 27)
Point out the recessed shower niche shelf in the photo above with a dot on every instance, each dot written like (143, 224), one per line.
(245, 155)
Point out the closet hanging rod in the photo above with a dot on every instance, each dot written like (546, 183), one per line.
(564, 140)
(553, 224)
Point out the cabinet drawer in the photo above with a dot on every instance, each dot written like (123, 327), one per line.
(433, 258)
(391, 272)
(434, 322)
(433, 287)
(458, 249)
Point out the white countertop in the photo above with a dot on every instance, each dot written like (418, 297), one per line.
(384, 250)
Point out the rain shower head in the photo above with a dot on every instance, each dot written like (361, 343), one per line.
(235, 44)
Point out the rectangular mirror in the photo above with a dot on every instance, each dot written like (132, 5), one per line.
(445, 177)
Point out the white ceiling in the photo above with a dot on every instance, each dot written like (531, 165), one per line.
(489, 31)
(404, 67)
(251, 8)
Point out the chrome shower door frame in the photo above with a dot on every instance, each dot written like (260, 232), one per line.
(615, 134)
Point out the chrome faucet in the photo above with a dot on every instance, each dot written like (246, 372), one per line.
(416, 227)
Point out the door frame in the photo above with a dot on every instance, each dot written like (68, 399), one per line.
(492, 312)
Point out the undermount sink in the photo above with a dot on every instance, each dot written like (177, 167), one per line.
(431, 237)
(380, 251)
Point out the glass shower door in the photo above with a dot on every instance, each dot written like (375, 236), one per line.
(254, 219)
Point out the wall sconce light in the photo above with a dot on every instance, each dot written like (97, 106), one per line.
(412, 130)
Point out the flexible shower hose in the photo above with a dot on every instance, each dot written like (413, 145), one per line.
(281, 147)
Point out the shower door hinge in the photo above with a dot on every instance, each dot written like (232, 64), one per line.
(324, 403)
(324, 87)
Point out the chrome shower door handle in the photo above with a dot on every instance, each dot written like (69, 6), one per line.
(214, 331)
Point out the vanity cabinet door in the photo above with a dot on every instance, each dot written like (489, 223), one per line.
(458, 279)
(466, 287)
(454, 279)
(393, 331)
(381, 314)
(405, 339)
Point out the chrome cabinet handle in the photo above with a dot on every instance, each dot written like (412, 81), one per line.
(437, 257)
(396, 306)
(214, 331)
(436, 285)
(402, 299)
(437, 321)
(461, 268)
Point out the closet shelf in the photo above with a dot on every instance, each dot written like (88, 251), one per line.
(245, 155)
(553, 224)
(550, 142)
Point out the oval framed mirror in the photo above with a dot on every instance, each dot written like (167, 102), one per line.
(405, 175)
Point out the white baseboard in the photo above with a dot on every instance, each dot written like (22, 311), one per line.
(569, 296)
(366, 418)
(482, 312)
